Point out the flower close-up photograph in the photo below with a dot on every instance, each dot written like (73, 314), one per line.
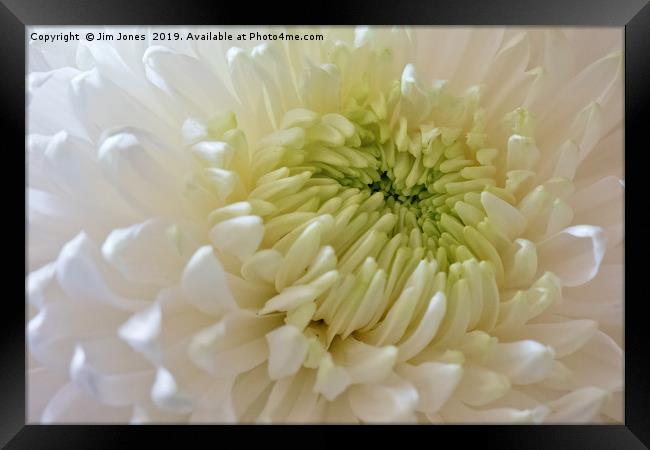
(281, 225)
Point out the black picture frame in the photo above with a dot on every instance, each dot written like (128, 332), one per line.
(634, 15)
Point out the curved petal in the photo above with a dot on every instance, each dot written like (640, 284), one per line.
(523, 362)
(167, 395)
(84, 276)
(331, 379)
(601, 204)
(161, 332)
(287, 351)
(150, 252)
(456, 412)
(149, 175)
(72, 405)
(215, 406)
(366, 363)
(42, 385)
(590, 85)
(574, 254)
(53, 333)
(239, 236)
(393, 400)
(234, 345)
(204, 283)
(599, 363)
(606, 159)
(100, 105)
(563, 337)
(48, 92)
(480, 386)
(435, 383)
(579, 406)
(426, 329)
(188, 78)
(111, 372)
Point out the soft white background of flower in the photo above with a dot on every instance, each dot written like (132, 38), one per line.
(70, 195)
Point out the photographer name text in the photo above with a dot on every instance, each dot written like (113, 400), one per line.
(172, 36)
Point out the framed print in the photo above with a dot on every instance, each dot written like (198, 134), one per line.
(420, 222)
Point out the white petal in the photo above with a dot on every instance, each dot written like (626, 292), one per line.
(339, 411)
(287, 351)
(601, 299)
(574, 254)
(601, 204)
(146, 173)
(111, 372)
(506, 78)
(479, 386)
(188, 78)
(142, 331)
(321, 89)
(522, 153)
(102, 105)
(240, 236)
(249, 294)
(158, 331)
(215, 406)
(456, 412)
(299, 117)
(415, 100)
(300, 254)
(262, 266)
(295, 296)
(567, 162)
(47, 92)
(366, 363)
(150, 252)
(564, 337)
(579, 406)
(426, 329)
(55, 330)
(212, 153)
(54, 220)
(73, 405)
(166, 394)
(52, 55)
(205, 285)
(613, 408)
(520, 264)
(234, 345)
(84, 276)
(504, 216)
(599, 363)
(481, 48)
(441, 50)
(589, 85)
(523, 362)
(589, 46)
(559, 57)
(42, 384)
(606, 159)
(393, 400)
(247, 389)
(244, 77)
(42, 286)
(331, 379)
(434, 381)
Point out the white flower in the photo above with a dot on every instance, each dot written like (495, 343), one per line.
(313, 231)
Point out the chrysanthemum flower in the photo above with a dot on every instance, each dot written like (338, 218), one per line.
(383, 226)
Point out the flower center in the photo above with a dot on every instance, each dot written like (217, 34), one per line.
(395, 178)
(367, 213)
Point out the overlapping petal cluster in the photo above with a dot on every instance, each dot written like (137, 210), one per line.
(387, 225)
